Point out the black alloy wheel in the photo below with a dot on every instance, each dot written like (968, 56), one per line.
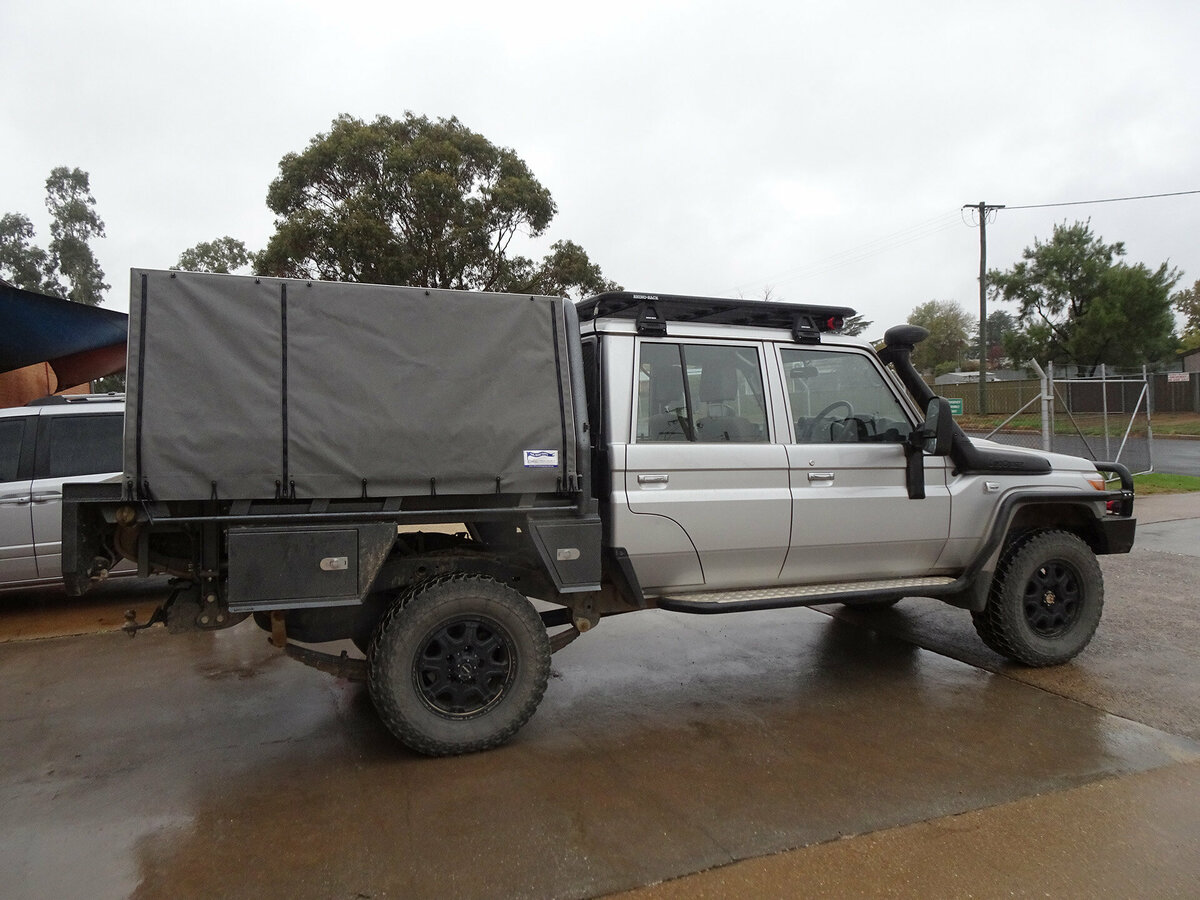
(1046, 600)
(1053, 598)
(464, 666)
(458, 664)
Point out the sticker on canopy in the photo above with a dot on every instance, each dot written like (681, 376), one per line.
(541, 459)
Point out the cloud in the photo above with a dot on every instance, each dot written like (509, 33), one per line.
(698, 147)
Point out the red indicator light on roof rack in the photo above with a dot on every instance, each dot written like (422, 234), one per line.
(834, 323)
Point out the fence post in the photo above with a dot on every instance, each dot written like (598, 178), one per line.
(1149, 417)
(1046, 406)
(1050, 382)
(1104, 406)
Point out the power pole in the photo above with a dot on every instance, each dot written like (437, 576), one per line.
(984, 209)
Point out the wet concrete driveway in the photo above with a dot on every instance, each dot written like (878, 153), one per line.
(208, 765)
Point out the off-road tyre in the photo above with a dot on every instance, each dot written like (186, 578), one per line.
(984, 630)
(981, 619)
(1045, 602)
(458, 664)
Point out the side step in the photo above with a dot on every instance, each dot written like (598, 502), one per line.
(804, 595)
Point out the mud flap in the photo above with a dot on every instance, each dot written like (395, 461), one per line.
(570, 551)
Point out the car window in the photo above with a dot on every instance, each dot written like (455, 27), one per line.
(591, 381)
(82, 445)
(720, 399)
(840, 398)
(12, 432)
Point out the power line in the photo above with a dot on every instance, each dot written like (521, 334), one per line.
(1107, 200)
(859, 252)
(913, 233)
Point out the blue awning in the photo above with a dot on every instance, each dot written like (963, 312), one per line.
(79, 342)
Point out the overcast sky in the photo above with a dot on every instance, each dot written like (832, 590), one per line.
(823, 150)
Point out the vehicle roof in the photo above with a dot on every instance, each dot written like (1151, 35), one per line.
(67, 404)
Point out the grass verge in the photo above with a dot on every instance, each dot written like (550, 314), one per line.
(1091, 425)
(1162, 483)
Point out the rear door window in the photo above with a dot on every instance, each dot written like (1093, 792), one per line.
(12, 433)
(700, 393)
(80, 445)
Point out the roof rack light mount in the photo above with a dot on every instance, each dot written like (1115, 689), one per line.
(807, 327)
(649, 322)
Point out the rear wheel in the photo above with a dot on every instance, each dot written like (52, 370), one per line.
(1045, 602)
(458, 664)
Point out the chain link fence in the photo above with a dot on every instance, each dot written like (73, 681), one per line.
(1105, 416)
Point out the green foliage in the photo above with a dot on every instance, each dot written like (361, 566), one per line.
(414, 201)
(856, 325)
(565, 271)
(1187, 302)
(109, 384)
(1000, 324)
(73, 225)
(1130, 322)
(21, 262)
(1076, 305)
(69, 257)
(948, 324)
(224, 255)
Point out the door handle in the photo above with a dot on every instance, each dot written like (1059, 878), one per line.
(653, 479)
(17, 500)
(822, 477)
(46, 498)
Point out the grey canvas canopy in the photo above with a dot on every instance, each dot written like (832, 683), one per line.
(255, 388)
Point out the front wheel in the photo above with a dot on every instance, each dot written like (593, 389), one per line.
(1045, 602)
(458, 664)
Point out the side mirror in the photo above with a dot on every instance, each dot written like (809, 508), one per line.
(938, 430)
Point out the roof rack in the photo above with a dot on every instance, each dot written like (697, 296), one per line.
(60, 399)
(654, 311)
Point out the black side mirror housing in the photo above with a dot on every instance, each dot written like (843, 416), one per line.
(933, 437)
(938, 430)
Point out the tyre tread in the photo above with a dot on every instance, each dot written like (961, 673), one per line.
(998, 625)
(379, 670)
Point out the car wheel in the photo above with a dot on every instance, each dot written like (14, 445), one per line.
(1045, 602)
(458, 664)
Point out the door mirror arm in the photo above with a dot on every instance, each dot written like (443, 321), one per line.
(934, 437)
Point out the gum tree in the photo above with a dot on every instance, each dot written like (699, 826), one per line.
(416, 201)
(1076, 303)
(67, 267)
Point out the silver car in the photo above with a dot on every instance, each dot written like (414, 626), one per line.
(43, 445)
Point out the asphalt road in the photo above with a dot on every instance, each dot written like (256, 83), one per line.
(1175, 456)
(1178, 457)
(798, 752)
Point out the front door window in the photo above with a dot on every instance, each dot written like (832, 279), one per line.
(840, 398)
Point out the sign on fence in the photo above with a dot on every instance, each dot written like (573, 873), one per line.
(1179, 376)
(956, 406)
